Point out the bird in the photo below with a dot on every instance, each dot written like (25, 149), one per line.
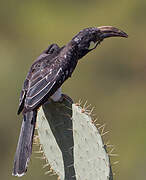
(44, 80)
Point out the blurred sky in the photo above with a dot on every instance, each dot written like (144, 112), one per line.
(112, 78)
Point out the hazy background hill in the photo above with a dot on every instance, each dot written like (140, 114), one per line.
(112, 78)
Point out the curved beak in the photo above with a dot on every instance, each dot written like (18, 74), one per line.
(109, 31)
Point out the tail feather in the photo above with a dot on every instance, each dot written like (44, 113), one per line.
(24, 146)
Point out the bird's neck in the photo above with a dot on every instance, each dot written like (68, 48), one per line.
(70, 51)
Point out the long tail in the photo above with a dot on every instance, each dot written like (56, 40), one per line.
(24, 147)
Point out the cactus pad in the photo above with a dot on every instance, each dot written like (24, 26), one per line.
(71, 143)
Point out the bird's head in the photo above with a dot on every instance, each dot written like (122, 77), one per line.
(94, 35)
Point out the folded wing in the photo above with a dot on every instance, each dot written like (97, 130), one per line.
(42, 85)
(35, 75)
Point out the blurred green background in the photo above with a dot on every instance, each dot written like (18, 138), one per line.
(112, 78)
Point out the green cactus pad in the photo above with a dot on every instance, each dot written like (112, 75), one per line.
(71, 142)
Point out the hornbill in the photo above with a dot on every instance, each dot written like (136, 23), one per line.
(44, 79)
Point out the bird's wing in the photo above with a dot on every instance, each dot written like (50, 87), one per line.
(43, 84)
(52, 49)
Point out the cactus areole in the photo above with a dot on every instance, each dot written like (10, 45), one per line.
(44, 79)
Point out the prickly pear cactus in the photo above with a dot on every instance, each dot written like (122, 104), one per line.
(70, 142)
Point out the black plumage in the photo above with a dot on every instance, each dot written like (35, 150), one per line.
(45, 76)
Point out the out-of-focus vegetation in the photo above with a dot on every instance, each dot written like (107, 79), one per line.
(113, 77)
